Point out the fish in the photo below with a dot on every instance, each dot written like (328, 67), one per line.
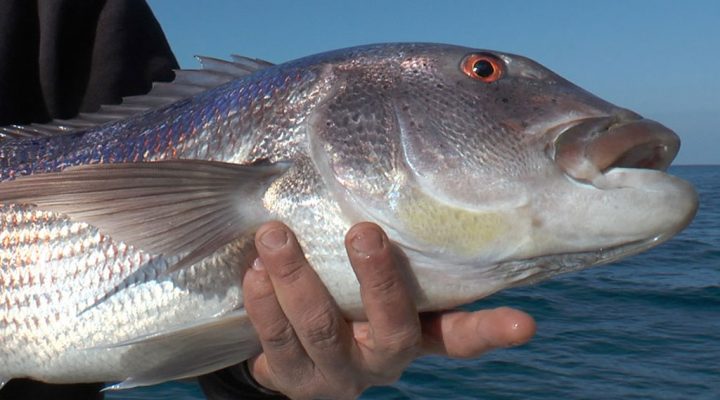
(125, 234)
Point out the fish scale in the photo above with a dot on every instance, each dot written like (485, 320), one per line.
(123, 245)
(130, 283)
(51, 297)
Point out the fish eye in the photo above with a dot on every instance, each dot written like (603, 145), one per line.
(483, 67)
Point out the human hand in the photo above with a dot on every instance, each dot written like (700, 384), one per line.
(309, 349)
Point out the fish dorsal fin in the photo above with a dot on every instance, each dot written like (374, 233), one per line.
(187, 83)
(239, 66)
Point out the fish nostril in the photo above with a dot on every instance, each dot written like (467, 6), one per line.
(624, 115)
(532, 74)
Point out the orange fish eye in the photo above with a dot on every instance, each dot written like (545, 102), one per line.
(483, 67)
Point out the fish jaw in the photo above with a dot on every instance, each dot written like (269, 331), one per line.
(635, 206)
(567, 227)
(612, 188)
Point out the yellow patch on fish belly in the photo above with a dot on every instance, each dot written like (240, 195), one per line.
(457, 230)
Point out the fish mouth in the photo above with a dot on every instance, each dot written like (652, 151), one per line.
(586, 150)
(623, 158)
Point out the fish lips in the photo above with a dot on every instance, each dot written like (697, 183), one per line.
(627, 157)
(587, 149)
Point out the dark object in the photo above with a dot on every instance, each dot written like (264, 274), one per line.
(24, 389)
(235, 382)
(64, 56)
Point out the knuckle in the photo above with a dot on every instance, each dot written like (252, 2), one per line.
(290, 271)
(254, 295)
(388, 287)
(404, 342)
(322, 330)
(278, 335)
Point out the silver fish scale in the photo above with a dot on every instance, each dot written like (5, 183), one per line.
(259, 117)
(67, 289)
(301, 198)
(53, 272)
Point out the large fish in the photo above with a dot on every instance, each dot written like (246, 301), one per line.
(123, 241)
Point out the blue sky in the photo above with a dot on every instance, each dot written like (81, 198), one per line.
(658, 58)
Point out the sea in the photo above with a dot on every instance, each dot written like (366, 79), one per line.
(647, 327)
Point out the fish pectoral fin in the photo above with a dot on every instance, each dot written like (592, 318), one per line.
(184, 208)
(192, 350)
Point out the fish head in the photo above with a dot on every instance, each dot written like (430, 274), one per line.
(477, 159)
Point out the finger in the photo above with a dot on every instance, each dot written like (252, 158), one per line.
(387, 292)
(464, 335)
(283, 358)
(306, 302)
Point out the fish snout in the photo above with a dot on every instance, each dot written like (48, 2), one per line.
(588, 148)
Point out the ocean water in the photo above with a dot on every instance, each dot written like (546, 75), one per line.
(647, 327)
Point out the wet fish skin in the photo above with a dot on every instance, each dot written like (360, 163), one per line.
(459, 172)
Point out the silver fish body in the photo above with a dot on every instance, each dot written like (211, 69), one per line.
(123, 246)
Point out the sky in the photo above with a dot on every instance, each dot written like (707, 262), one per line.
(658, 58)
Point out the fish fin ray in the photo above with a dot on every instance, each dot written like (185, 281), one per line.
(177, 208)
(252, 63)
(26, 131)
(239, 67)
(187, 83)
(211, 344)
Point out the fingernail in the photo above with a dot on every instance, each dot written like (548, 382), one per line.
(274, 239)
(367, 243)
(258, 265)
